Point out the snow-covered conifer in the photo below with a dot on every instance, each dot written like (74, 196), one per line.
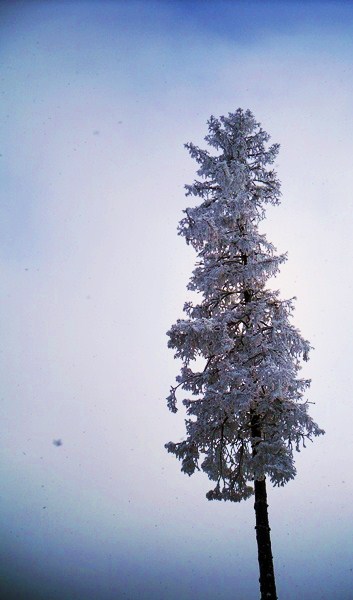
(246, 406)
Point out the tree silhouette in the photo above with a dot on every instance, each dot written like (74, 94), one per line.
(245, 405)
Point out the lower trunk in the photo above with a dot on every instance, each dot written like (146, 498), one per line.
(263, 538)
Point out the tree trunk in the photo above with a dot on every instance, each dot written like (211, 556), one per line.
(263, 538)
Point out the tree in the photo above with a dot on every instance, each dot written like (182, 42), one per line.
(245, 404)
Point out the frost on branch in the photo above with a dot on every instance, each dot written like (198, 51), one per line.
(246, 410)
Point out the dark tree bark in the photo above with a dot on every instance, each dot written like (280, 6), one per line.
(263, 538)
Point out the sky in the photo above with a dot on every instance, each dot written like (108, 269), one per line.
(98, 99)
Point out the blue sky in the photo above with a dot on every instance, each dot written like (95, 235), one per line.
(98, 99)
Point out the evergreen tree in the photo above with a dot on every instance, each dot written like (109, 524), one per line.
(246, 410)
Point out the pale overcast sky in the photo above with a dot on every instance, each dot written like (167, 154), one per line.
(98, 99)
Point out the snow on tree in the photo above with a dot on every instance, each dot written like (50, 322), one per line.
(246, 407)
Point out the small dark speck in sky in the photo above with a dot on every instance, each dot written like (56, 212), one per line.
(57, 443)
